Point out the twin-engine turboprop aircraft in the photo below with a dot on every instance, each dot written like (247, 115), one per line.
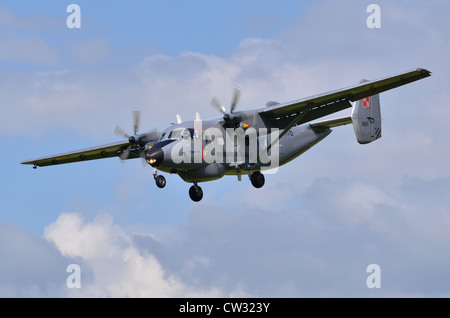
(245, 142)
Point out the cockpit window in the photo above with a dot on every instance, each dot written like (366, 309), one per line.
(186, 133)
(175, 134)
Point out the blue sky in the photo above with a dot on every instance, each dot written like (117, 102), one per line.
(169, 28)
(310, 231)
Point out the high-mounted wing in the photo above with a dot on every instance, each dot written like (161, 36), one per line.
(100, 152)
(301, 111)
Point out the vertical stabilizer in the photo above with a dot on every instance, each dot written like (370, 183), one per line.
(366, 119)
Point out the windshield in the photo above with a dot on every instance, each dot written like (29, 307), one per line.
(186, 133)
(175, 134)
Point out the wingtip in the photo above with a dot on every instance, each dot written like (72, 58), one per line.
(30, 162)
(424, 71)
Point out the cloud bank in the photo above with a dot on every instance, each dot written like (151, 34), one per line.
(316, 225)
(320, 248)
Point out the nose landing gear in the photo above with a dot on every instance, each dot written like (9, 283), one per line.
(159, 179)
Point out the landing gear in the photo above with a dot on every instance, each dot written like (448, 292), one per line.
(257, 179)
(196, 193)
(159, 179)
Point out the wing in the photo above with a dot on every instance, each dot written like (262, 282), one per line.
(302, 111)
(100, 152)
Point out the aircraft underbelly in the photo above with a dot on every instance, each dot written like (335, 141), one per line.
(209, 172)
(298, 140)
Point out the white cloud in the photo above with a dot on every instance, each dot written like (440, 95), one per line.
(15, 21)
(28, 49)
(317, 244)
(319, 247)
(117, 267)
(90, 52)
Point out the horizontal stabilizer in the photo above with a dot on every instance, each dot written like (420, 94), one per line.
(332, 123)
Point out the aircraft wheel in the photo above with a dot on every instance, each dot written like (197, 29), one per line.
(257, 179)
(160, 181)
(196, 193)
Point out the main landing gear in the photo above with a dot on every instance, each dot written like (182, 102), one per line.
(257, 179)
(195, 192)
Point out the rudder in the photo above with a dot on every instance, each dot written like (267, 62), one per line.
(366, 119)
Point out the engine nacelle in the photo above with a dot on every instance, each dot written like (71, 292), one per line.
(366, 119)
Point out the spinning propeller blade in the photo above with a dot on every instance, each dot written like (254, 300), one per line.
(137, 138)
(215, 102)
(235, 99)
(152, 134)
(124, 155)
(229, 118)
(119, 131)
(136, 120)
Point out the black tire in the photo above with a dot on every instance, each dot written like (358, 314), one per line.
(257, 179)
(160, 181)
(195, 194)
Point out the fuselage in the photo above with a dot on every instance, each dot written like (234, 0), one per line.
(207, 150)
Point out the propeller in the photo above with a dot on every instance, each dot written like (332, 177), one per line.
(215, 102)
(235, 99)
(136, 138)
(136, 120)
(228, 117)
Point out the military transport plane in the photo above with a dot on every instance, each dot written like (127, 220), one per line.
(245, 142)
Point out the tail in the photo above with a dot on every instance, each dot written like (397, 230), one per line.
(366, 119)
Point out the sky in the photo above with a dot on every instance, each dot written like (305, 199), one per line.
(315, 226)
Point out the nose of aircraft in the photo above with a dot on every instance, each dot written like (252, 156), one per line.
(154, 157)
